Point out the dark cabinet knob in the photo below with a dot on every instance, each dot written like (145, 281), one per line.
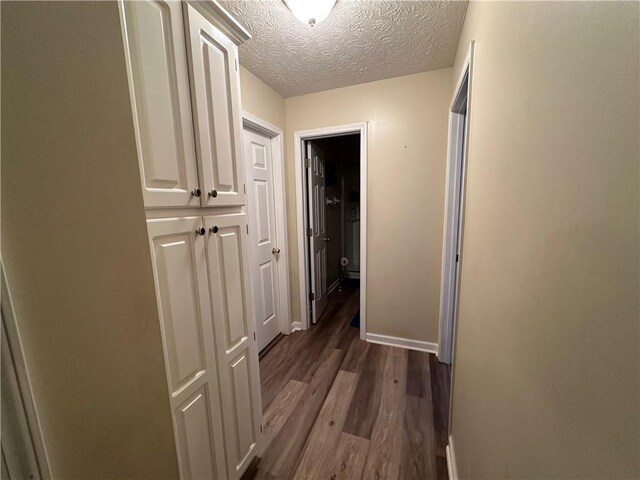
(201, 231)
(213, 193)
(196, 192)
(214, 229)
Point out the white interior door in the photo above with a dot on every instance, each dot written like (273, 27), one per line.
(216, 102)
(182, 288)
(264, 253)
(157, 59)
(318, 238)
(235, 338)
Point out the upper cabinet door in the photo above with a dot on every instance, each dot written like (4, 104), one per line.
(236, 345)
(158, 77)
(216, 103)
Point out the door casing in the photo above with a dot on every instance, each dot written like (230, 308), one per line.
(299, 139)
(20, 392)
(457, 161)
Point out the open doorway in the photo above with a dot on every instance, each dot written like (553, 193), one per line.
(333, 196)
(331, 203)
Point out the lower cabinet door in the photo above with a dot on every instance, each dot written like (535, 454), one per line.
(236, 344)
(178, 253)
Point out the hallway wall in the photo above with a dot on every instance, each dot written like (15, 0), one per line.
(75, 245)
(407, 154)
(261, 100)
(546, 380)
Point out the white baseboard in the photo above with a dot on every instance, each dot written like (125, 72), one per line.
(295, 326)
(403, 343)
(451, 460)
(333, 286)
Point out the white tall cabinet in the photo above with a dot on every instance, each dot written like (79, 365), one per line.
(182, 60)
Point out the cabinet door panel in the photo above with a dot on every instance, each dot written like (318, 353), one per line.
(156, 57)
(193, 422)
(181, 313)
(235, 338)
(229, 259)
(216, 103)
(182, 290)
(241, 399)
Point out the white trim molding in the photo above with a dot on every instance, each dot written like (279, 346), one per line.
(407, 343)
(295, 326)
(299, 138)
(20, 390)
(256, 124)
(452, 467)
(223, 20)
(454, 205)
(333, 286)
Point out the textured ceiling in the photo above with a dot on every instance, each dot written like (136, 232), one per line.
(360, 41)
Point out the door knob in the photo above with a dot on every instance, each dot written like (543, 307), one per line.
(196, 192)
(213, 193)
(275, 251)
(201, 231)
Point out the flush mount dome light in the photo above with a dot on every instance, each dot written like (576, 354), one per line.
(310, 11)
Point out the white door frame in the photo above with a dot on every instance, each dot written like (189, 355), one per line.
(258, 125)
(299, 138)
(457, 160)
(21, 391)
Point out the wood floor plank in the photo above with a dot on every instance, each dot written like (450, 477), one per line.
(418, 460)
(303, 347)
(275, 367)
(441, 466)
(350, 458)
(418, 375)
(341, 336)
(320, 449)
(383, 460)
(321, 340)
(440, 387)
(387, 421)
(279, 412)
(282, 457)
(347, 336)
(366, 400)
(253, 471)
(312, 357)
(356, 355)
(270, 346)
(328, 334)
(306, 347)
(348, 333)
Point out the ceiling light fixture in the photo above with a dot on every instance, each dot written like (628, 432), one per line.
(310, 11)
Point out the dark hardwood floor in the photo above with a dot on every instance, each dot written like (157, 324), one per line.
(336, 407)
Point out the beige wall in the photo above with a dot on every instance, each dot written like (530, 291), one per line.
(546, 374)
(75, 244)
(261, 100)
(407, 153)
